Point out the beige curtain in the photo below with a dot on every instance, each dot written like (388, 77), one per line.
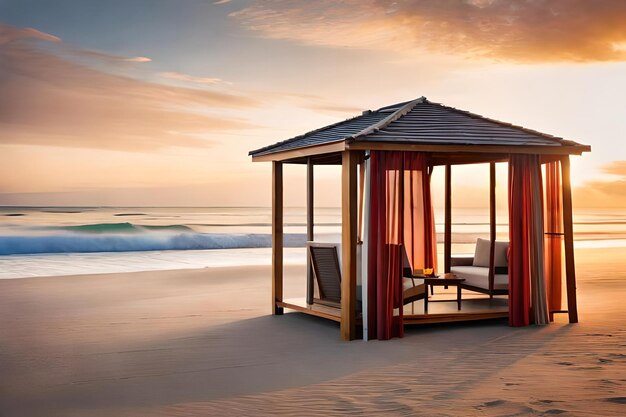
(537, 277)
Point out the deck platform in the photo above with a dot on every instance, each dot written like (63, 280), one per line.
(442, 308)
(318, 310)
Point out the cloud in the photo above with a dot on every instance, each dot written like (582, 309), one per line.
(50, 100)
(314, 102)
(616, 168)
(513, 30)
(9, 34)
(99, 56)
(138, 59)
(330, 108)
(102, 56)
(192, 79)
(611, 193)
(221, 1)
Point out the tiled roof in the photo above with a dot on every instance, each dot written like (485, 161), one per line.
(420, 122)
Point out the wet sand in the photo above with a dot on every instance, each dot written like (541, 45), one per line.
(200, 342)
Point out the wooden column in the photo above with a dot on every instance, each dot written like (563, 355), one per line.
(309, 229)
(492, 225)
(447, 237)
(277, 236)
(348, 244)
(568, 229)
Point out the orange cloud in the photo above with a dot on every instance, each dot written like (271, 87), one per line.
(192, 79)
(616, 168)
(610, 194)
(49, 100)
(514, 30)
(138, 59)
(315, 102)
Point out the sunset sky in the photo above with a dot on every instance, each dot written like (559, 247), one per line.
(157, 102)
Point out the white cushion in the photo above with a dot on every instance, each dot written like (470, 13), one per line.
(481, 256)
(478, 276)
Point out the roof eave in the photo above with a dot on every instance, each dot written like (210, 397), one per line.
(577, 149)
(330, 147)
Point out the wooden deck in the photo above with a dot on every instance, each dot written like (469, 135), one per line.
(318, 310)
(442, 308)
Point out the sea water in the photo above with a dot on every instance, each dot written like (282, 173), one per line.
(45, 241)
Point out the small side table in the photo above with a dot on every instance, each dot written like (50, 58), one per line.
(443, 282)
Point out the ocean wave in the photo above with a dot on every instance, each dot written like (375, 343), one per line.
(69, 242)
(120, 228)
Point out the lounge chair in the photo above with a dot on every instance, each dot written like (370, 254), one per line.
(476, 270)
(327, 273)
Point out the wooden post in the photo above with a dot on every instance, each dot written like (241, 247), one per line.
(492, 225)
(570, 268)
(447, 238)
(348, 244)
(277, 236)
(309, 229)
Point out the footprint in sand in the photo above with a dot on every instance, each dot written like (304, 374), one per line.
(608, 382)
(493, 403)
(616, 400)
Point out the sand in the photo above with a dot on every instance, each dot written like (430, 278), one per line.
(200, 342)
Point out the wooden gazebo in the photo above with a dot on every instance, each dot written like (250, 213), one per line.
(446, 136)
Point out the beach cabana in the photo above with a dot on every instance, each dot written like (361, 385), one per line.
(387, 158)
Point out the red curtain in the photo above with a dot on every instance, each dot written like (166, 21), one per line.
(520, 196)
(554, 235)
(400, 213)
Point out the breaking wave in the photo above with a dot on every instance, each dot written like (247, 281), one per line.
(126, 237)
(120, 228)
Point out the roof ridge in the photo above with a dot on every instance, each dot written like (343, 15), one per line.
(387, 120)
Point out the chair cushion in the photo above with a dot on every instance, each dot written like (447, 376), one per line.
(478, 276)
(481, 256)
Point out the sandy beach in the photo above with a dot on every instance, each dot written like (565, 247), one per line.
(201, 342)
